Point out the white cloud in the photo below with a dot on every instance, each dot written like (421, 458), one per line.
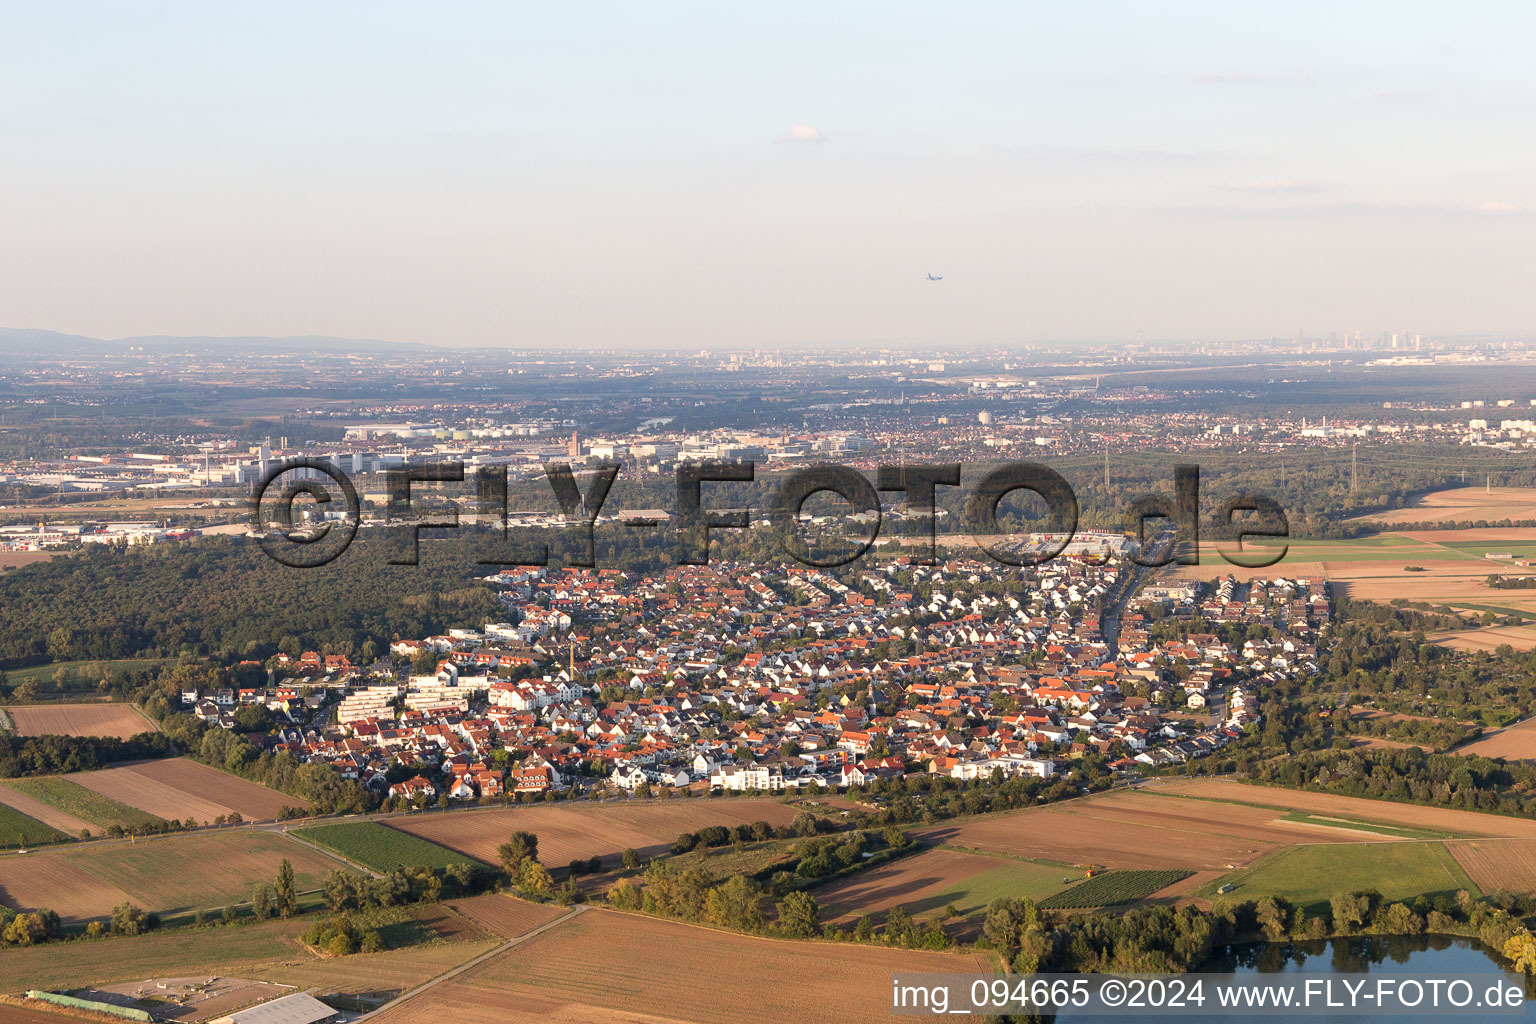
(806, 133)
(1493, 206)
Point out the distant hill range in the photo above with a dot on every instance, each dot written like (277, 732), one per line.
(28, 342)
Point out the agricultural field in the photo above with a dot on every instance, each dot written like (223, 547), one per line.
(383, 849)
(1378, 828)
(1465, 504)
(119, 720)
(1113, 888)
(372, 979)
(1498, 863)
(231, 952)
(1449, 568)
(504, 915)
(1136, 829)
(1308, 876)
(1512, 743)
(19, 830)
(687, 974)
(268, 951)
(36, 809)
(79, 803)
(171, 874)
(16, 559)
(181, 788)
(924, 884)
(568, 833)
(1521, 638)
(1465, 823)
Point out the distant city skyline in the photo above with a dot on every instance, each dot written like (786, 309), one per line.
(689, 176)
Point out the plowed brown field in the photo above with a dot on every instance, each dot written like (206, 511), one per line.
(606, 968)
(505, 916)
(1514, 743)
(119, 720)
(1469, 822)
(1498, 863)
(578, 832)
(203, 871)
(181, 788)
(1139, 830)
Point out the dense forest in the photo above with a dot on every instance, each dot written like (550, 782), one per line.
(226, 599)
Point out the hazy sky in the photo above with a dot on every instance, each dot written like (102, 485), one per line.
(711, 174)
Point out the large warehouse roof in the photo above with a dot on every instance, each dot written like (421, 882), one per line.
(299, 1008)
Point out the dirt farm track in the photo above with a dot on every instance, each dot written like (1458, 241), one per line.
(117, 720)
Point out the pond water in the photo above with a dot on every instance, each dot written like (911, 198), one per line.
(1421, 956)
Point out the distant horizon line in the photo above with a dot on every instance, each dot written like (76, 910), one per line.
(14, 334)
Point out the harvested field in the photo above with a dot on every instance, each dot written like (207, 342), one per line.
(928, 882)
(1441, 819)
(1469, 504)
(504, 915)
(15, 559)
(176, 873)
(42, 812)
(677, 972)
(181, 788)
(1498, 863)
(578, 832)
(1512, 743)
(1136, 830)
(119, 720)
(1521, 638)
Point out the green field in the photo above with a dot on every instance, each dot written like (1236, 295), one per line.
(1309, 876)
(85, 804)
(85, 674)
(18, 829)
(1035, 880)
(1113, 887)
(232, 951)
(1479, 548)
(1376, 827)
(380, 847)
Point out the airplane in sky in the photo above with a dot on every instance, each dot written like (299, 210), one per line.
(932, 278)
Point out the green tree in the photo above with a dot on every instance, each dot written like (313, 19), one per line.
(338, 890)
(520, 846)
(128, 919)
(734, 903)
(799, 915)
(261, 901)
(286, 901)
(533, 879)
(1272, 916)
